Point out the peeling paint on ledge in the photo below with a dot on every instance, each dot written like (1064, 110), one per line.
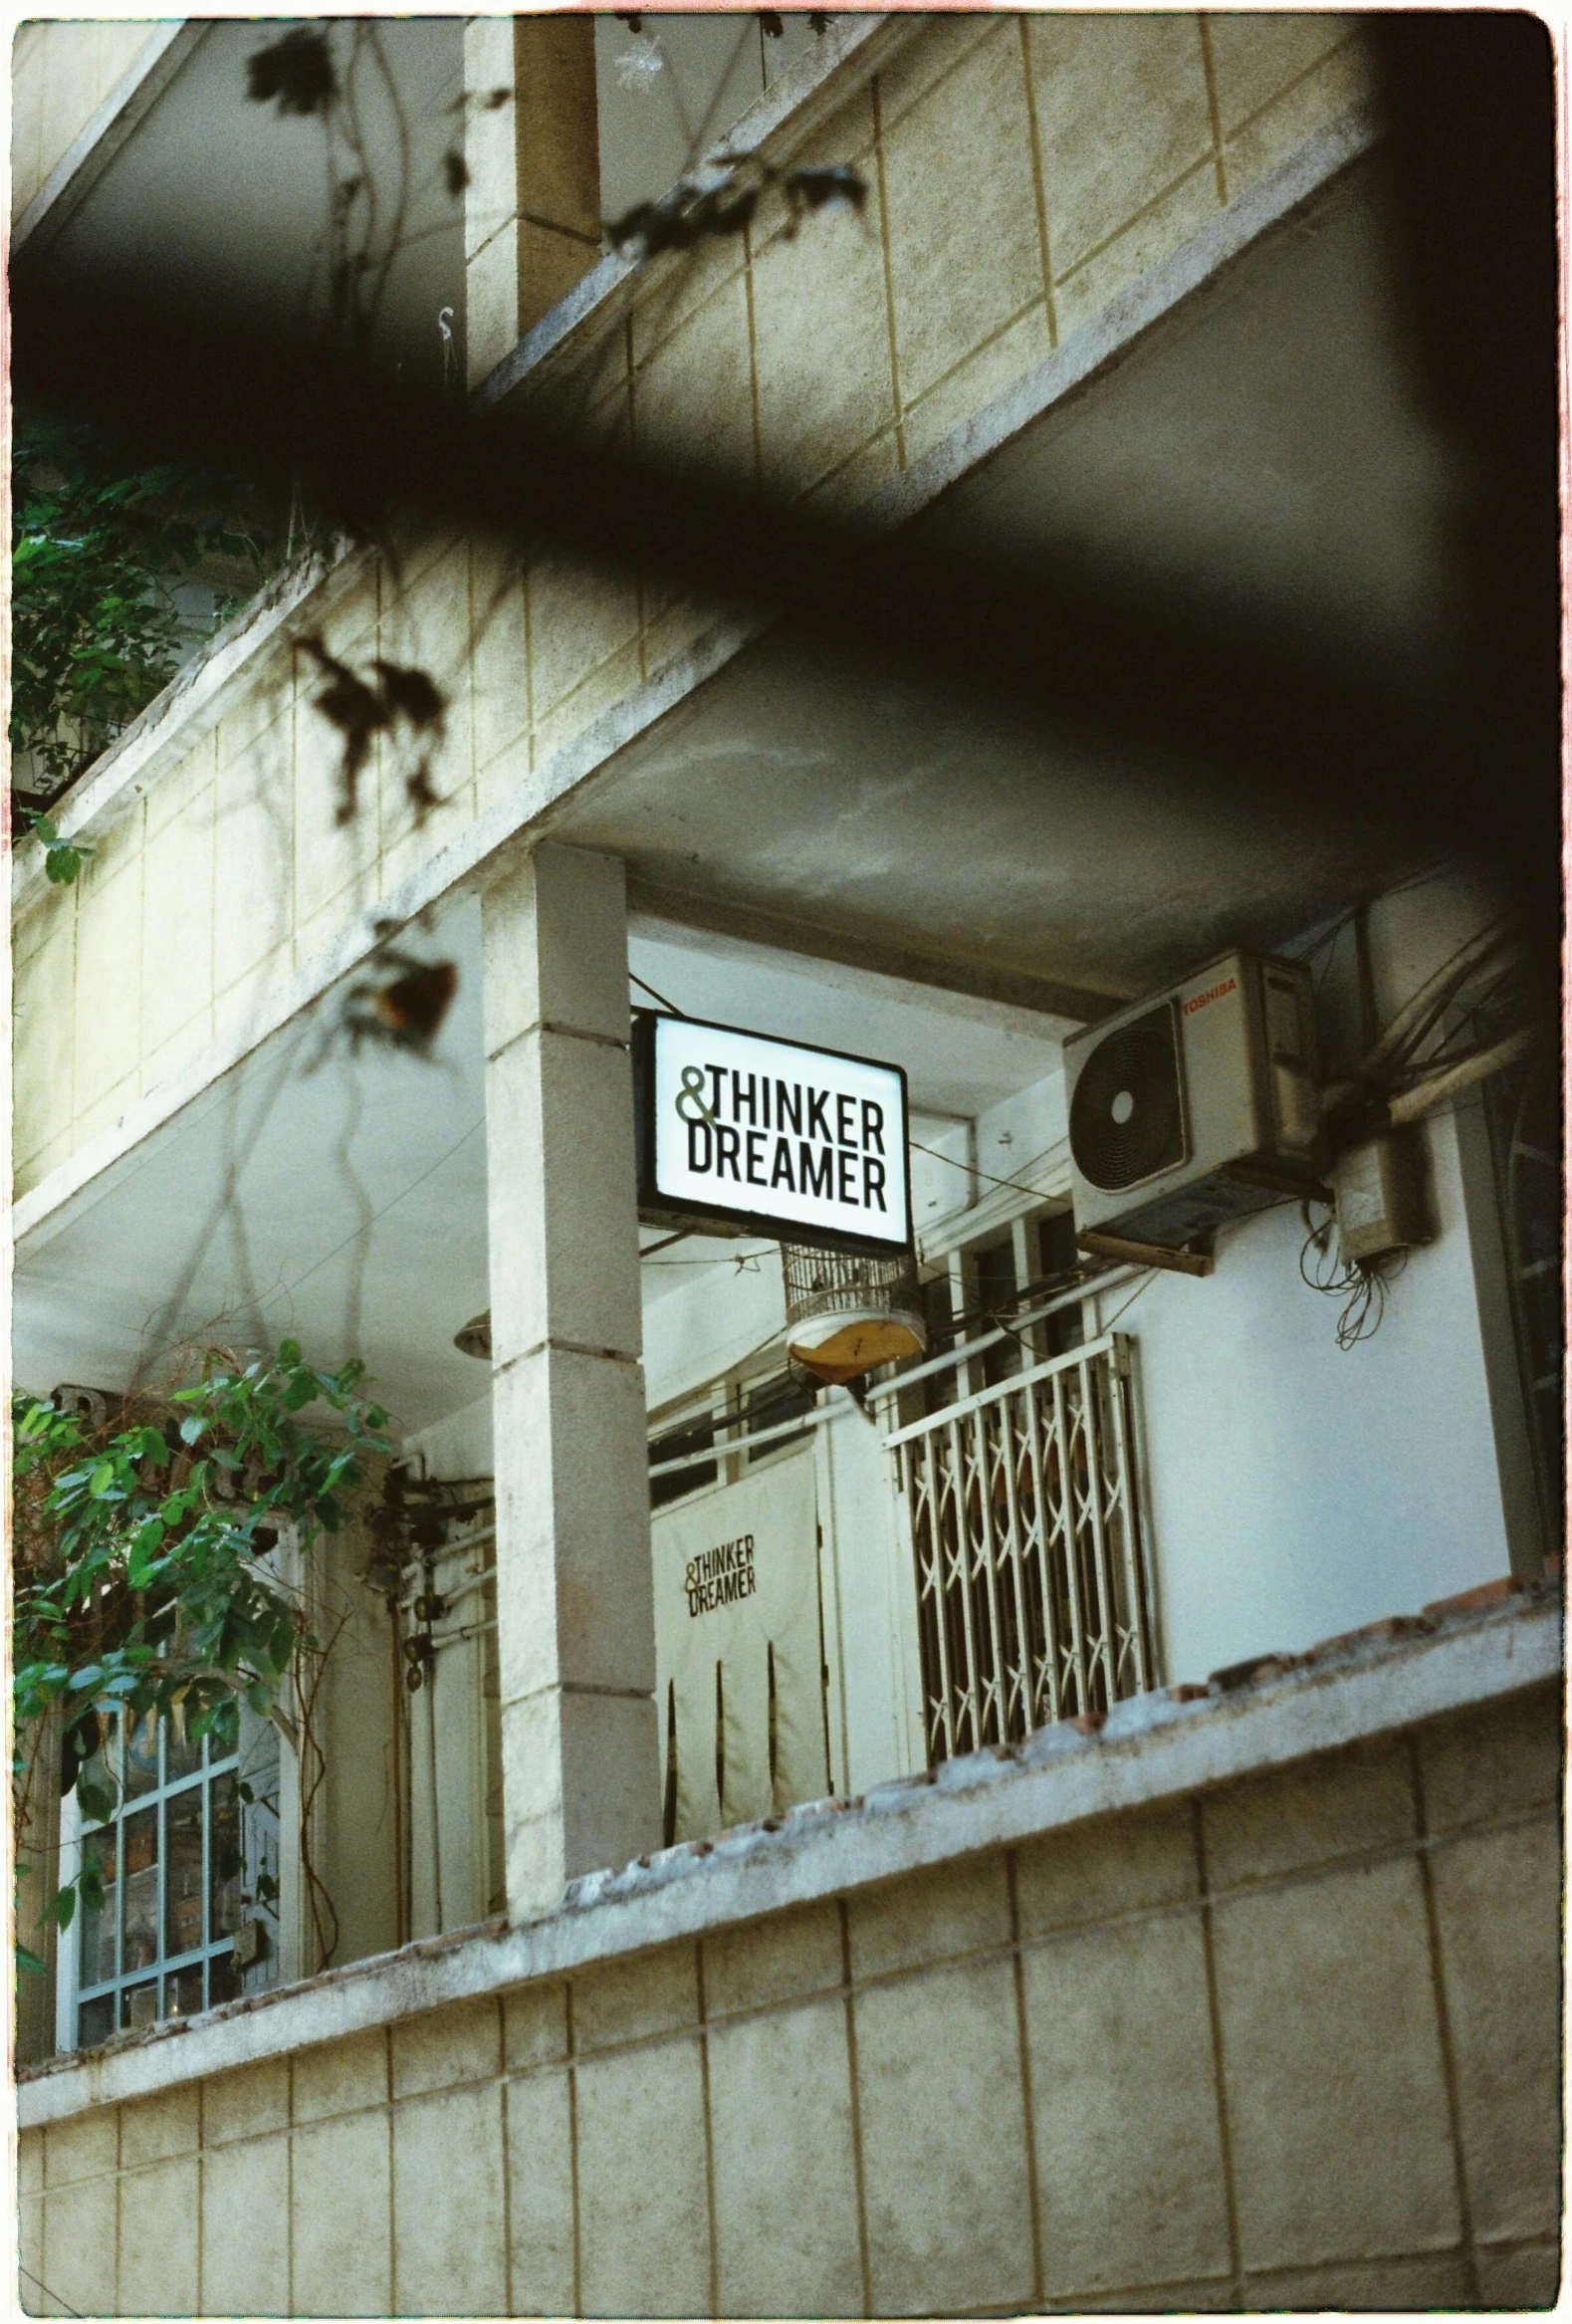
(1273, 1711)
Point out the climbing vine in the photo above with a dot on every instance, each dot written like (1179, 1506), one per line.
(146, 1579)
(97, 546)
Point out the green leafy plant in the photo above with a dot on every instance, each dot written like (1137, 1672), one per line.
(63, 859)
(96, 545)
(143, 1581)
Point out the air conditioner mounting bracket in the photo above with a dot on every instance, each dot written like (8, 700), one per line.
(1145, 1254)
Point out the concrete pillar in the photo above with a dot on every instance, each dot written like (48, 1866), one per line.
(576, 1613)
(532, 223)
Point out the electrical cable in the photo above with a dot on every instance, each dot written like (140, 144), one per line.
(1478, 1066)
(1420, 1009)
(670, 1006)
(1469, 1036)
(1410, 1061)
(976, 1170)
(1148, 1276)
(1360, 1284)
(739, 1260)
(64, 2305)
(1326, 939)
(1030, 1295)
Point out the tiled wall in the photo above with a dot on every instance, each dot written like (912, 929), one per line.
(61, 72)
(1293, 2042)
(1022, 170)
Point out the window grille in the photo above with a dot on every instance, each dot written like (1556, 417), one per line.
(172, 1862)
(1033, 1595)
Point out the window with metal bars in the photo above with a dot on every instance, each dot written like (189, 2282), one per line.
(186, 1863)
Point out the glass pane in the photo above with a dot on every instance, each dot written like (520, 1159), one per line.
(140, 2006)
(96, 2020)
(940, 1388)
(259, 1763)
(101, 1771)
(259, 1767)
(183, 1754)
(142, 1755)
(98, 1925)
(226, 1863)
(1061, 1252)
(774, 1400)
(182, 1994)
(223, 1980)
(141, 1889)
(183, 1871)
(996, 1294)
(673, 1446)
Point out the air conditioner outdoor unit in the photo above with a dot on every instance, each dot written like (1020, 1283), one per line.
(1195, 1105)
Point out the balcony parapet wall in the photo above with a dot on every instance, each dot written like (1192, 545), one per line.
(1164, 1746)
(1247, 2000)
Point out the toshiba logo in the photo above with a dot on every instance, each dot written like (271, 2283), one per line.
(1211, 992)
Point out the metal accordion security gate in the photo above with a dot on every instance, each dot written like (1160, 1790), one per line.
(1032, 1595)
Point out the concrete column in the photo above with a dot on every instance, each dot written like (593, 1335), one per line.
(576, 1610)
(532, 212)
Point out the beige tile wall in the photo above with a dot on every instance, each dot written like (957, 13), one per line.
(1021, 171)
(61, 72)
(1293, 2042)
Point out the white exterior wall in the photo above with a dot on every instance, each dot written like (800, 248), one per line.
(1298, 1490)
(461, 1444)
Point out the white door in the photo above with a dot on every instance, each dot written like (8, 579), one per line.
(739, 1650)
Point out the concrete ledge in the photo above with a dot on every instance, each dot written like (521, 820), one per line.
(1132, 312)
(1152, 1747)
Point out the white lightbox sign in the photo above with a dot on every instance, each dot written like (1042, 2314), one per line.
(803, 1143)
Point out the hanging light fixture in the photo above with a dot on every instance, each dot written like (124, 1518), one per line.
(846, 1314)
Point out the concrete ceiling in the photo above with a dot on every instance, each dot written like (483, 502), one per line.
(229, 199)
(260, 1207)
(1262, 441)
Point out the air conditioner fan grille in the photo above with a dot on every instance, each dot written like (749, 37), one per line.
(1127, 1117)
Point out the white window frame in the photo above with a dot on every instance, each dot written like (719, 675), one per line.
(72, 1994)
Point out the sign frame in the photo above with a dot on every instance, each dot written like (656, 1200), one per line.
(664, 1209)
